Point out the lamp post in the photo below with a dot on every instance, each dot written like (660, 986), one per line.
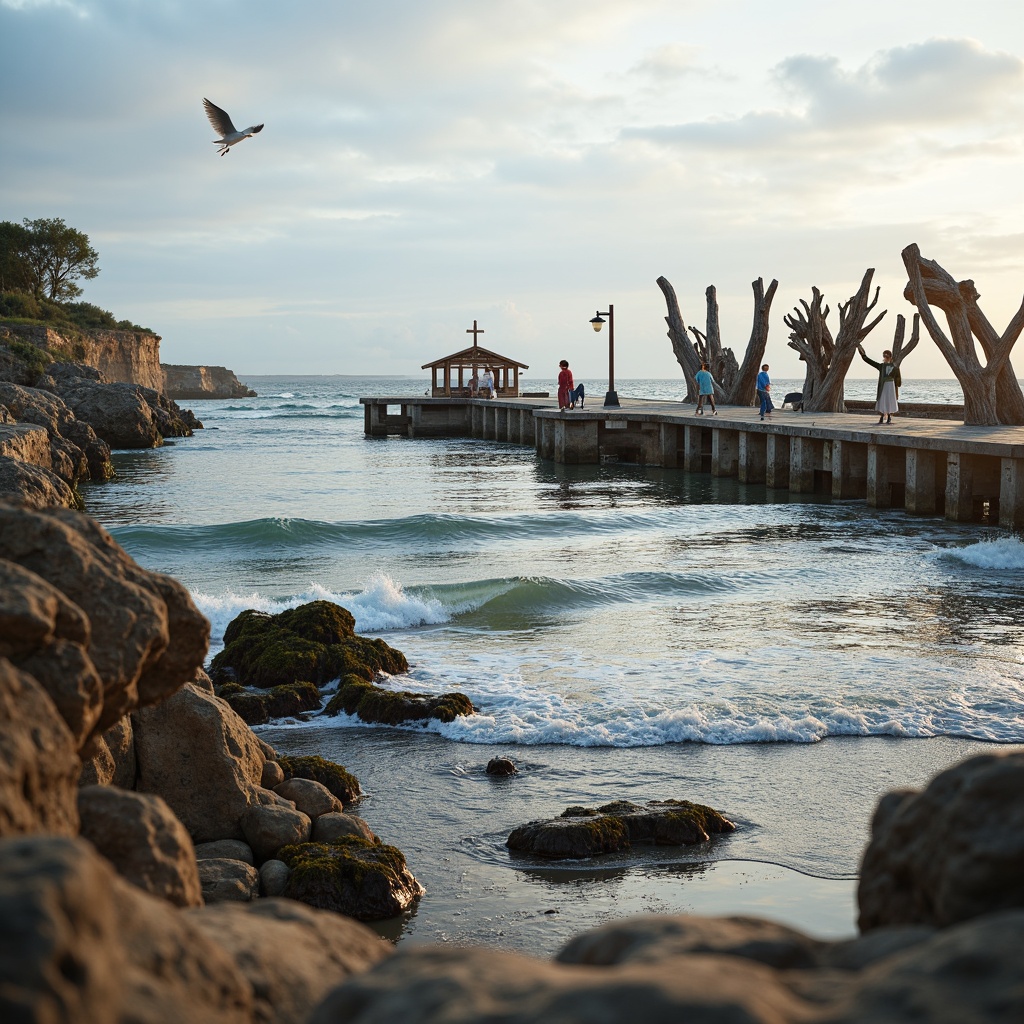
(611, 399)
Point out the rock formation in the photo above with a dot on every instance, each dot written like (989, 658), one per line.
(189, 383)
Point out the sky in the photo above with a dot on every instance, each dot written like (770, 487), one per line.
(520, 162)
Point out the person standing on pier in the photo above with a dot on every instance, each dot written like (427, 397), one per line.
(565, 385)
(889, 383)
(705, 389)
(764, 388)
(487, 383)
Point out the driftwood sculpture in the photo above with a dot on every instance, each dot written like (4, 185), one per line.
(735, 383)
(991, 392)
(828, 359)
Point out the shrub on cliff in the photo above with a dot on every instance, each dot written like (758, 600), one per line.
(315, 642)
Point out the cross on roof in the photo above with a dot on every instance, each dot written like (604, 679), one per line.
(475, 331)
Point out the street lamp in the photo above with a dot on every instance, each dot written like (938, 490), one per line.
(611, 399)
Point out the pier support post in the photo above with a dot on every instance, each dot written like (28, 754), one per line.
(693, 447)
(776, 473)
(670, 445)
(1011, 495)
(575, 441)
(971, 481)
(804, 459)
(725, 452)
(546, 438)
(849, 469)
(501, 423)
(375, 421)
(886, 469)
(753, 457)
(925, 481)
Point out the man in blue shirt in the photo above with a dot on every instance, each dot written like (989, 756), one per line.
(764, 387)
(705, 389)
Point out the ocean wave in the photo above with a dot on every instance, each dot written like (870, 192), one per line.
(381, 605)
(432, 531)
(998, 553)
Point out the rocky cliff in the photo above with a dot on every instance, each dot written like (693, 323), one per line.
(192, 382)
(129, 356)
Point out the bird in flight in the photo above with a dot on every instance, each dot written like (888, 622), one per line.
(230, 135)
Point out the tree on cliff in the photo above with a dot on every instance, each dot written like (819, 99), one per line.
(46, 257)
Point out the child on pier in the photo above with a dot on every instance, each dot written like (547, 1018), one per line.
(705, 389)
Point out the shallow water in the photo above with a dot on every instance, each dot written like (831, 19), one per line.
(598, 617)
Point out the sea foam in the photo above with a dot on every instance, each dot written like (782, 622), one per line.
(999, 553)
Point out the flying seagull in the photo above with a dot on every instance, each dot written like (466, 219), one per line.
(230, 136)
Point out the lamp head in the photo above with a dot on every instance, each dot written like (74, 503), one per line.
(597, 322)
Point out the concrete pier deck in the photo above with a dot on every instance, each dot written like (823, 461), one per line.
(926, 466)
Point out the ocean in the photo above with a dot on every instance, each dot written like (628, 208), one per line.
(625, 632)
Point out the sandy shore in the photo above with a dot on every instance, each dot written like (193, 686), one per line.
(803, 813)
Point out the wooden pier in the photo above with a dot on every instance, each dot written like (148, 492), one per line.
(926, 466)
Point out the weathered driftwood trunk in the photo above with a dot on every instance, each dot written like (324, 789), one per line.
(735, 384)
(828, 359)
(991, 392)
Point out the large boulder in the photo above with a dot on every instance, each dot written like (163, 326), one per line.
(587, 832)
(26, 443)
(267, 829)
(39, 765)
(693, 969)
(227, 880)
(291, 955)
(78, 943)
(146, 637)
(366, 880)
(143, 839)
(948, 853)
(315, 642)
(197, 754)
(33, 486)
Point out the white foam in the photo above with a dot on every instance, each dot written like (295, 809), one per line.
(383, 604)
(1000, 553)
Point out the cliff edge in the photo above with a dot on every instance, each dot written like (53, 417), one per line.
(198, 382)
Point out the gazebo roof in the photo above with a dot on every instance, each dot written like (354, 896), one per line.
(476, 354)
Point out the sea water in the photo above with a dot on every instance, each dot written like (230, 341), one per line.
(624, 632)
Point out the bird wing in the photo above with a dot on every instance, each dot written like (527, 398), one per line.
(218, 118)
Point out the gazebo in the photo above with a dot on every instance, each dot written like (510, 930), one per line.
(450, 375)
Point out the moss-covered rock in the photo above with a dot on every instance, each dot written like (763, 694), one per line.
(343, 784)
(374, 704)
(277, 702)
(351, 875)
(586, 832)
(315, 642)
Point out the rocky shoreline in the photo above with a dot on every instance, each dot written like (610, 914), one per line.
(160, 862)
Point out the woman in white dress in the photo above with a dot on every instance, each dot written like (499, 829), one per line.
(889, 383)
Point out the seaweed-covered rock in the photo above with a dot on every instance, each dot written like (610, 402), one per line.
(343, 784)
(315, 642)
(377, 705)
(366, 880)
(277, 702)
(586, 832)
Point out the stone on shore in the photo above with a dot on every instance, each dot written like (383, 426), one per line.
(225, 879)
(145, 634)
(365, 880)
(78, 943)
(329, 827)
(113, 760)
(381, 706)
(273, 877)
(227, 849)
(144, 841)
(950, 852)
(273, 775)
(197, 754)
(341, 783)
(268, 829)
(501, 766)
(588, 832)
(312, 798)
(290, 954)
(315, 642)
(39, 765)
